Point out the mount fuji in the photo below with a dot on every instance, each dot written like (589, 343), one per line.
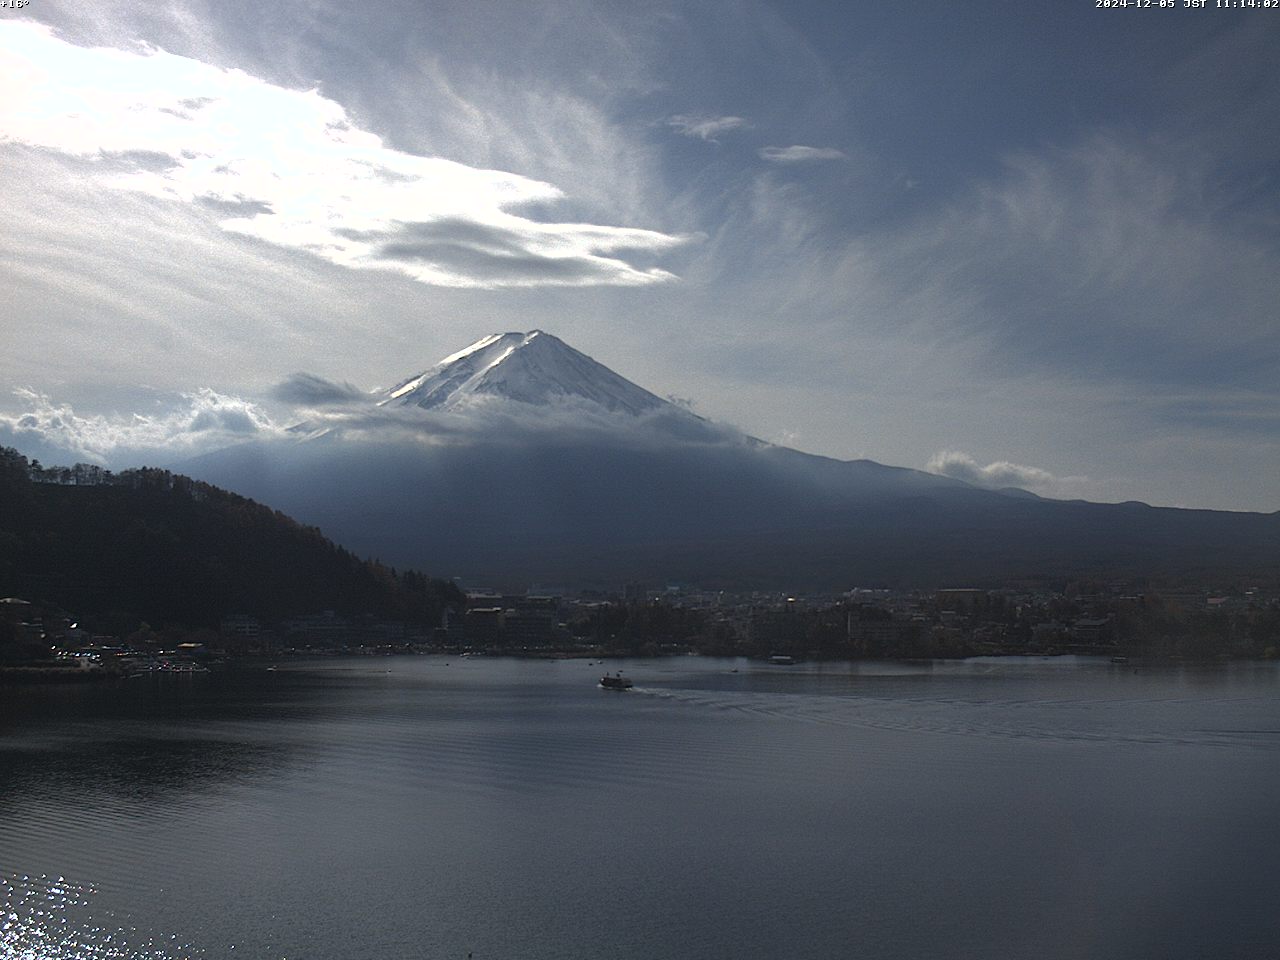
(522, 459)
(532, 368)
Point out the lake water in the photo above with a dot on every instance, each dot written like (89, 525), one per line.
(424, 807)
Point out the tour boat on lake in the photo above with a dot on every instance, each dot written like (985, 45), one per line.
(616, 682)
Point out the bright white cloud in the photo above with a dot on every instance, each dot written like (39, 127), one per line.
(704, 127)
(799, 154)
(206, 421)
(1001, 473)
(203, 420)
(289, 167)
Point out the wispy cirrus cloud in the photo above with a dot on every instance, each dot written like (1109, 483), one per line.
(290, 167)
(308, 390)
(1111, 260)
(1116, 258)
(703, 127)
(800, 154)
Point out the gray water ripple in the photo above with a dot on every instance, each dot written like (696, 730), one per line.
(1105, 719)
(516, 809)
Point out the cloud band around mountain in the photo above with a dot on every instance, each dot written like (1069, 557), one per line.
(306, 406)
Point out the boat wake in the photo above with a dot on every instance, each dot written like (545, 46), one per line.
(1084, 720)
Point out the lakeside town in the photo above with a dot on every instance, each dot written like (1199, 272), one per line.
(147, 571)
(41, 641)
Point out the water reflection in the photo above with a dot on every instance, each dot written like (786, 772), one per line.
(142, 769)
(407, 808)
(141, 739)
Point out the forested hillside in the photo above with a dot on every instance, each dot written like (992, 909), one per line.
(150, 545)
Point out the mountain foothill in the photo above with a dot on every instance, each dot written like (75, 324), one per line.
(150, 546)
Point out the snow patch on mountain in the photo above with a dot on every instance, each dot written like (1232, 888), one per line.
(533, 368)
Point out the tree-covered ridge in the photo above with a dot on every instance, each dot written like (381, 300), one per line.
(155, 546)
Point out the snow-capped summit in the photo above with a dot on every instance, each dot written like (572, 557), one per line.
(534, 367)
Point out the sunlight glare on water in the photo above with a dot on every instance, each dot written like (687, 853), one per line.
(52, 918)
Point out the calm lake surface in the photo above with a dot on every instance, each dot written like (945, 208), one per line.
(424, 807)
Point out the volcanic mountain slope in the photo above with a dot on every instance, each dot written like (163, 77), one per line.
(521, 459)
(533, 368)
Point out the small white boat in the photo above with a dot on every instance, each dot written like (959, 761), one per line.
(181, 666)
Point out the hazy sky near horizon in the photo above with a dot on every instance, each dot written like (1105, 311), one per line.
(1018, 243)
